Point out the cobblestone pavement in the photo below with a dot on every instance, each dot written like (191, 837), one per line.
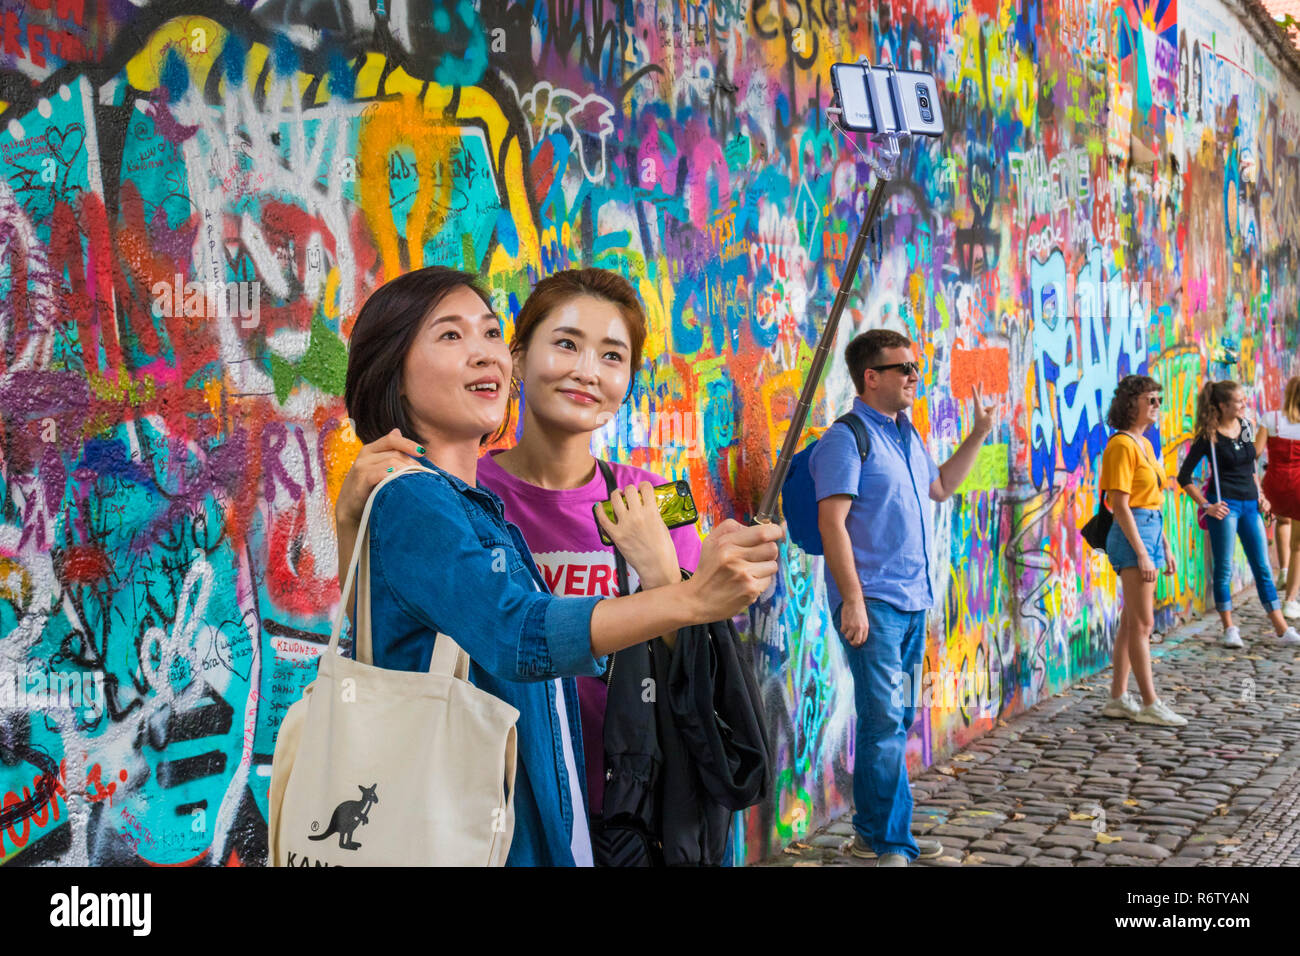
(1060, 785)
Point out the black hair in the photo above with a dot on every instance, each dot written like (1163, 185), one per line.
(385, 328)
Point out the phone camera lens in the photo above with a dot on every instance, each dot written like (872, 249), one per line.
(925, 101)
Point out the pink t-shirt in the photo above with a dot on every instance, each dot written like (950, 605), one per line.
(565, 542)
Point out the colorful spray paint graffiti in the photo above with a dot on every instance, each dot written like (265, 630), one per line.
(196, 198)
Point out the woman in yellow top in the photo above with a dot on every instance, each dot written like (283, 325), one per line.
(1133, 479)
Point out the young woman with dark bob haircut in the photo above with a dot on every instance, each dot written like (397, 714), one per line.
(428, 361)
(1133, 479)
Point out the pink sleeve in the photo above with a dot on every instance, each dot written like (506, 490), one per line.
(687, 540)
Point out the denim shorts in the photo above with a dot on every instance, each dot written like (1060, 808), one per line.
(1150, 530)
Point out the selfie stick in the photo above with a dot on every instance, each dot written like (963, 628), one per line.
(883, 174)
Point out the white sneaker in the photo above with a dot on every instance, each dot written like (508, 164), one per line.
(1292, 636)
(1159, 713)
(1291, 609)
(1124, 707)
(1232, 637)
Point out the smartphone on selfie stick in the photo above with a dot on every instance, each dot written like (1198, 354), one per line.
(893, 106)
(884, 100)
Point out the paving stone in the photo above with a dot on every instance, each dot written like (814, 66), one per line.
(1028, 852)
(829, 840)
(1022, 826)
(1064, 852)
(953, 830)
(1074, 842)
(1148, 851)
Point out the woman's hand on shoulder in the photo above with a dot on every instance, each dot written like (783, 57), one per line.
(639, 532)
(375, 461)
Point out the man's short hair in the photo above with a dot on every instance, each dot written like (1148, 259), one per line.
(867, 349)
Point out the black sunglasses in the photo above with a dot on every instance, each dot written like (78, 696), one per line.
(907, 368)
(1154, 400)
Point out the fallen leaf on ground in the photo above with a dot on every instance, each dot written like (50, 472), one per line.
(1083, 816)
(1130, 802)
(962, 757)
(1107, 838)
(1017, 816)
(1220, 809)
(791, 850)
(1270, 834)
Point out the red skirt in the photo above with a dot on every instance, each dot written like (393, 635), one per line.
(1281, 481)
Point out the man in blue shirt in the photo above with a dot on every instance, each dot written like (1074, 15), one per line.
(877, 527)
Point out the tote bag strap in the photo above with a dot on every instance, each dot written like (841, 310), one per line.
(362, 546)
(448, 657)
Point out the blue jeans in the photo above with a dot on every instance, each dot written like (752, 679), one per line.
(882, 798)
(1242, 521)
(1150, 532)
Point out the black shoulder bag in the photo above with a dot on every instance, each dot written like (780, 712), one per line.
(1098, 526)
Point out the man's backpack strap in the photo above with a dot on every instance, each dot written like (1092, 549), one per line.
(859, 428)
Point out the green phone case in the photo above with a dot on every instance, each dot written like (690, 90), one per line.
(676, 507)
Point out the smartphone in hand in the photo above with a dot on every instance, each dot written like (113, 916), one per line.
(676, 507)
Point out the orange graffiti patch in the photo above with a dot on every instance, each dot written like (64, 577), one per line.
(988, 368)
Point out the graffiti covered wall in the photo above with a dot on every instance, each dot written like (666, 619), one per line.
(197, 195)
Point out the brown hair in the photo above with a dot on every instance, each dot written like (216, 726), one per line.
(1212, 397)
(1291, 403)
(864, 351)
(1123, 405)
(555, 290)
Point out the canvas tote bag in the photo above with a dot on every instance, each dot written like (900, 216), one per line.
(377, 767)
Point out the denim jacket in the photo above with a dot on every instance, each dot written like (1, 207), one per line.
(444, 558)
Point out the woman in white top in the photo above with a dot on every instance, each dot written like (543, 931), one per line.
(1281, 484)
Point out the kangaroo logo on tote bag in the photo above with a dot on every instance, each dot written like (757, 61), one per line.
(349, 815)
